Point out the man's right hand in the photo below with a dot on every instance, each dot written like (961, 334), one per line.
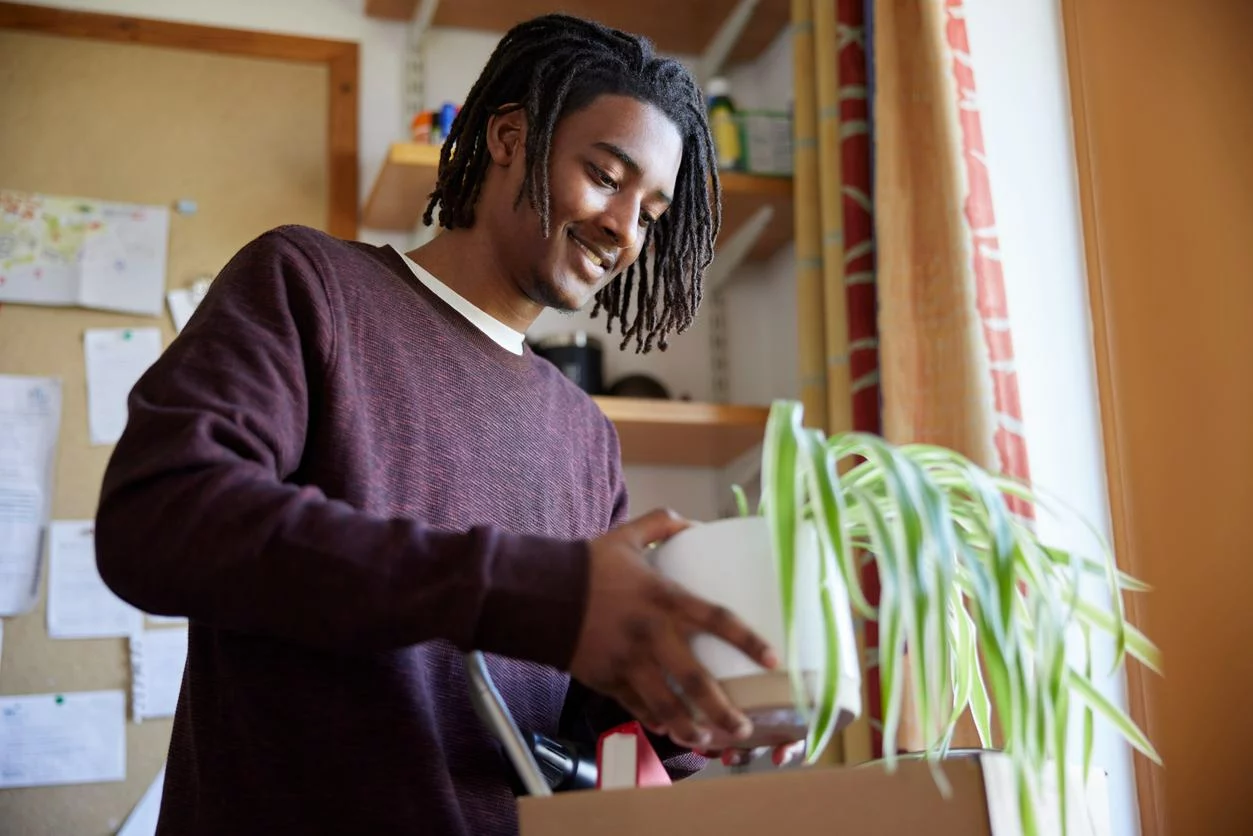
(635, 642)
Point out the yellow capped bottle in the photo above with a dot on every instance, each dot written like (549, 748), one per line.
(723, 124)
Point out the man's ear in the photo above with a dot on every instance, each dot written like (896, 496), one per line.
(506, 136)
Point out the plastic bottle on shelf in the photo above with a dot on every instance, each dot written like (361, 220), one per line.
(447, 113)
(723, 124)
(421, 127)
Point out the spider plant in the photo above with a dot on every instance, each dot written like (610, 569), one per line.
(982, 606)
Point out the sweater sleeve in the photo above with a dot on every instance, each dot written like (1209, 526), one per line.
(201, 515)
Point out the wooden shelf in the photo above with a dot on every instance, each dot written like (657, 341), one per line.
(399, 195)
(683, 28)
(744, 194)
(400, 192)
(682, 432)
(391, 9)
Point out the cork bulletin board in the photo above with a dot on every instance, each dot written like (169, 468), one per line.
(257, 130)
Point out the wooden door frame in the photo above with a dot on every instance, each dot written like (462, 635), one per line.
(1150, 792)
(340, 58)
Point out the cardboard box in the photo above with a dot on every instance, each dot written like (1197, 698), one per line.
(808, 802)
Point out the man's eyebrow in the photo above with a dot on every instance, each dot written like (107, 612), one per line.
(630, 163)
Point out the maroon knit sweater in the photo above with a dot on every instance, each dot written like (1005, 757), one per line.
(344, 484)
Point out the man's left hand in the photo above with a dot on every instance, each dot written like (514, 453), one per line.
(779, 755)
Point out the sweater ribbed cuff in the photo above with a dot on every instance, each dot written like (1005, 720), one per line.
(536, 596)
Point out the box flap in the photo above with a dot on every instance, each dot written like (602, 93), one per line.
(805, 802)
(821, 800)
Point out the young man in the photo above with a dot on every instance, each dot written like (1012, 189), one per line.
(349, 469)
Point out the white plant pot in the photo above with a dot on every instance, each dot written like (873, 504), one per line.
(731, 563)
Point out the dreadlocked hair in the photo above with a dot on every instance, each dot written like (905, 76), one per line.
(555, 65)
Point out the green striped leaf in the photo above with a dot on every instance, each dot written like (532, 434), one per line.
(1101, 704)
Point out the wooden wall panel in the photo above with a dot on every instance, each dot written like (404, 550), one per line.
(1163, 103)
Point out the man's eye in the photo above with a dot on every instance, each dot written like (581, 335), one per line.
(604, 178)
(647, 219)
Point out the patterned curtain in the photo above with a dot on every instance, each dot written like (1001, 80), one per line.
(822, 320)
(947, 351)
(894, 115)
(835, 237)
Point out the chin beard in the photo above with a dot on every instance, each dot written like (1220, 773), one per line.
(544, 293)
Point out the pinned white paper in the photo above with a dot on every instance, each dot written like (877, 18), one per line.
(182, 305)
(80, 606)
(143, 819)
(116, 358)
(72, 738)
(184, 301)
(157, 661)
(30, 419)
(21, 546)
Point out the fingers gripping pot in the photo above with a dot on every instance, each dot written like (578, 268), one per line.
(730, 563)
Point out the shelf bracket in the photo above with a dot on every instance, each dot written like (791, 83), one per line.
(414, 81)
(724, 41)
(731, 255)
(414, 88)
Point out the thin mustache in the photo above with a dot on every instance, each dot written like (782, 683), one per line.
(607, 260)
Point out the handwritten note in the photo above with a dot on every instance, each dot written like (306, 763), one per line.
(80, 606)
(143, 819)
(116, 358)
(124, 263)
(21, 539)
(157, 661)
(30, 418)
(74, 738)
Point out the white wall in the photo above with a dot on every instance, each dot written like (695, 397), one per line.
(1019, 59)
(761, 301)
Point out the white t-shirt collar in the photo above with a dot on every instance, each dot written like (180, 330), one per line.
(500, 333)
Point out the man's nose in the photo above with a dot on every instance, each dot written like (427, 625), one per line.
(620, 222)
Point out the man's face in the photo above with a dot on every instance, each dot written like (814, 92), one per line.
(612, 172)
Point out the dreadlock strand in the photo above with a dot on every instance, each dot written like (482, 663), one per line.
(643, 316)
(651, 303)
(612, 295)
(541, 150)
(615, 295)
(628, 329)
(648, 291)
